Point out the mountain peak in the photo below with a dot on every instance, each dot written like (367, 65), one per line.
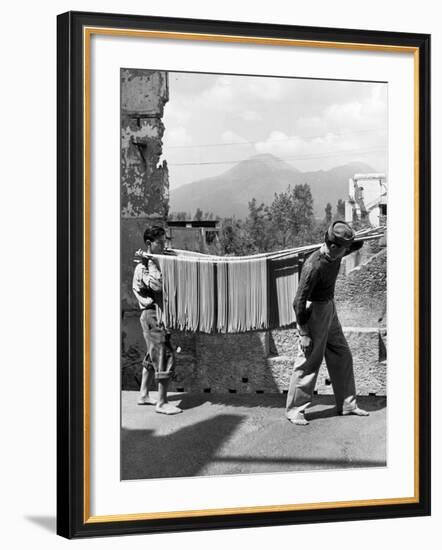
(260, 177)
(262, 161)
(267, 157)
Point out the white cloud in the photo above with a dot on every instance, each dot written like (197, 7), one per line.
(222, 91)
(347, 115)
(177, 136)
(231, 137)
(177, 112)
(365, 114)
(271, 89)
(250, 116)
(295, 147)
(311, 126)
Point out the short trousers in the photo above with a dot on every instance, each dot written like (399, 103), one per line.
(160, 356)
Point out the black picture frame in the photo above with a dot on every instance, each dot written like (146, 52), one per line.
(72, 517)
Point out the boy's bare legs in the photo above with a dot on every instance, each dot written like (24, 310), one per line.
(163, 406)
(163, 376)
(147, 377)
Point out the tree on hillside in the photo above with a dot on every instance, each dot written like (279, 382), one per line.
(179, 216)
(303, 207)
(282, 215)
(258, 227)
(328, 214)
(200, 215)
(321, 226)
(340, 210)
(234, 238)
(291, 216)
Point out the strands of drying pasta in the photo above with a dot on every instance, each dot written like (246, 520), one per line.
(262, 288)
(232, 298)
(249, 279)
(193, 295)
(256, 306)
(241, 293)
(261, 294)
(245, 295)
(181, 313)
(235, 296)
(248, 292)
(222, 293)
(252, 305)
(243, 290)
(187, 293)
(206, 298)
(169, 270)
(285, 275)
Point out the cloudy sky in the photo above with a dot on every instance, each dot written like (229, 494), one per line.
(214, 121)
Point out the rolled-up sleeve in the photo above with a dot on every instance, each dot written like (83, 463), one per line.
(152, 276)
(139, 288)
(309, 277)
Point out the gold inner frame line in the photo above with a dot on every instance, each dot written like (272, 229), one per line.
(87, 33)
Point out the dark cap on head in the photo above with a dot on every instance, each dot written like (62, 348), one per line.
(340, 233)
(153, 232)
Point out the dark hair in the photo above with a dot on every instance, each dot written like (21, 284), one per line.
(153, 233)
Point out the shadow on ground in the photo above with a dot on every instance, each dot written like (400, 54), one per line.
(190, 401)
(243, 434)
(326, 407)
(182, 453)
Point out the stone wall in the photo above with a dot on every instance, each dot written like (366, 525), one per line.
(253, 362)
(361, 293)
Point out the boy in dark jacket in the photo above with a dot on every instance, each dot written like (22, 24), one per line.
(320, 332)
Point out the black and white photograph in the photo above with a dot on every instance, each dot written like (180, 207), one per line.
(253, 272)
(224, 220)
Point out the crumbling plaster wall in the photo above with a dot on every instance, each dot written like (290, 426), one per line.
(144, 180)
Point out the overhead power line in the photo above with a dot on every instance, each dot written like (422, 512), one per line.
(302, 157)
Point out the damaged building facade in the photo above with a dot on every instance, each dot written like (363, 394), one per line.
(252, 362)
(367, 199)
(144, 180)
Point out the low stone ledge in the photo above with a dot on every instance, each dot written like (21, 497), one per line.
(260, 361)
